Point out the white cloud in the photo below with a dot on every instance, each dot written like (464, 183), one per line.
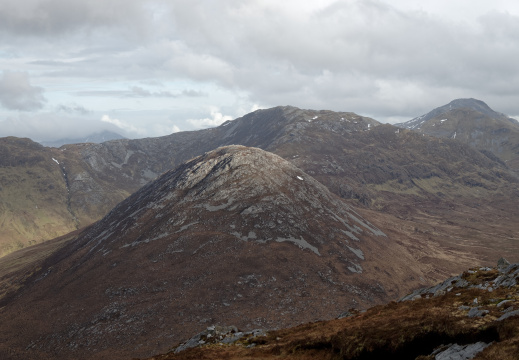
(216, 118)
(16, 92)
(126, 127)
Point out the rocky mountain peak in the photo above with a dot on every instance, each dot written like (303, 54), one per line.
(242, 192)
(471, 105)
(474, 123)
(237, 235)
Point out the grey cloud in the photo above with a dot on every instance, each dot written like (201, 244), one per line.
(16, 92)
(139, 92)
(193, 93)
(73, 109)
(364, 56)
(41, 18)
(364, 43)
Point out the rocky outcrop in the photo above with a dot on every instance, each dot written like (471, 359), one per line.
(430, 328)
(503, 276)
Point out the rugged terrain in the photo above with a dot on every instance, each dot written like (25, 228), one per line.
(474, 123)
(237, 235)
(45, 194)
(370, 212)
(378, 166)
(471, 316)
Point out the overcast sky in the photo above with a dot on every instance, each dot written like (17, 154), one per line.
(153, 67)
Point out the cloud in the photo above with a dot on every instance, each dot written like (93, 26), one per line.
(384, 59)
(140, 92)
(51, 126)
(216, 118)
(73, 109)
(123, 125)
(16, 92)
(42, 18)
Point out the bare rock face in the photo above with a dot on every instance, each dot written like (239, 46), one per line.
(235, 236)
(247, 194)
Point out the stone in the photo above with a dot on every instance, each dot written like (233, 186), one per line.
(475, 312)
(508, 314)
(503, 303)
(461, 352)
(502, 263)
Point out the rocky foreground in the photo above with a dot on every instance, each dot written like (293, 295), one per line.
(471, 316)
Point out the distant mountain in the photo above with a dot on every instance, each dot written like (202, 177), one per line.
(236, 235)
(422, 208)
(474, 123)
(96, 138)
(384, 169)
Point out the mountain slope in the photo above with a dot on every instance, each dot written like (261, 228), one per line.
(97, 138)
(45, 193)
(474, 123)
(439, 184)
(462, 320)
(33, 195)
(98, 176)
(236, 235)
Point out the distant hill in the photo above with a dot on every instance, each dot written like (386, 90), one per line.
(96, 138)
(474, 123)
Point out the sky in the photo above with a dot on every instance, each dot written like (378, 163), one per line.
(146, 68)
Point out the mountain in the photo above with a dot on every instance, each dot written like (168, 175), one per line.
(470, 316)
(423, 186)
(236, 235)
(97, 138)
(38, 198)
(441, 204)
(474, 123)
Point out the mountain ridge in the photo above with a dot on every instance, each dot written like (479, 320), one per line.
(98, 137)
(378, 167)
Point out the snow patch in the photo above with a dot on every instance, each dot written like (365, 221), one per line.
(300, 178)
(56, 161)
